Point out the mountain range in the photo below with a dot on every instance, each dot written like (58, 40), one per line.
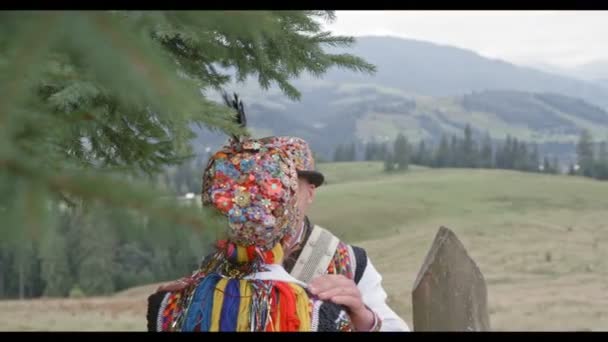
(425, 90)
(595, 71)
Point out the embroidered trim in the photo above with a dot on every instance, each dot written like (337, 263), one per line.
(353, 260)
(343, 322)
(170, 311)
(342, 262)
(314, 325)
(161, 310)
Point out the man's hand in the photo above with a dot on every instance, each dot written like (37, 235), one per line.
(343, 291)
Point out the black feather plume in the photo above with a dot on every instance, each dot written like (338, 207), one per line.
(237, 105)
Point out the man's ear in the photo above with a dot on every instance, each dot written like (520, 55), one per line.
(311, 192)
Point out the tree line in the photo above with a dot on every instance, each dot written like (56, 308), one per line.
(98, 253)
(592, 158)
(470, 151)
(453, 151)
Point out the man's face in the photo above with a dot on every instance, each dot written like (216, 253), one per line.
(305, 196)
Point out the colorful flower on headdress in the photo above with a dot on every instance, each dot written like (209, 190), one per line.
(297, 148)
(255, 213)
(221, 177)
(247, 185)
(236, 215)
(254, 190)
(270, 167)
(242, 198)
(226, 168)
(219, 155)
(278, 212)
(246, 165)
(223, 181)
(235, 160)
(247, 180)
(273, 187)
(266, 203)
(269, 221)
(222, 201)
(252, 145)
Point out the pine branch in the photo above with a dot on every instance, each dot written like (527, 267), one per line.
(93, 187)
(348, 61)
(87, 96)
(22, 60)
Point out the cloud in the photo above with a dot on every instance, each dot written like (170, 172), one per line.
(563, 38)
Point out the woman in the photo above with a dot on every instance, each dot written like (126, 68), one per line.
(242, 285)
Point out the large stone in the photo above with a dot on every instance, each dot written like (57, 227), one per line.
(449, 291)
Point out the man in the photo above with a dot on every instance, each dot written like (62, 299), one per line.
(358, 287)
(334, 270)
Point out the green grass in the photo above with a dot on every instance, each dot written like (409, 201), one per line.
(508, 221)
(362, 198)
(348, 172)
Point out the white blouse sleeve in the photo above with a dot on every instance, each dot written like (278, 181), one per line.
(374, 297)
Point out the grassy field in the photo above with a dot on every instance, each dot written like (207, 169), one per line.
(540, 242)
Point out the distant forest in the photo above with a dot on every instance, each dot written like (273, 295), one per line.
(468, 152)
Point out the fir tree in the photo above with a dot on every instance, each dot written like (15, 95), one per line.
(442, 156)
(517, 155)
(508, 155)
(389, 162)
(382, 151)
(533, 159)
(555, 166)
(547, 167)
(401, 152)
(469, 152)
(91, 96)
(422, 155)
(603, 151)
(96, 254)
(486, 158)
(455, 154)
(55, 264)
(351, 152)
(339, 153)
(584, 150)
(376, 150)
(600, 170)
(369, 151)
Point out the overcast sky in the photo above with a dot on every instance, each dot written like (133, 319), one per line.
(560, 38)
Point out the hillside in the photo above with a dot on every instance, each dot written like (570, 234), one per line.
(361, 113)
(539, 241)
(437, 70)
(423, 90)
(593, 71)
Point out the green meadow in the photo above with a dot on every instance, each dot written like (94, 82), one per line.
(539, 240)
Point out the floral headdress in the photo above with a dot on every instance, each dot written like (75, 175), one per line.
(254, 184)
(300, 153)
